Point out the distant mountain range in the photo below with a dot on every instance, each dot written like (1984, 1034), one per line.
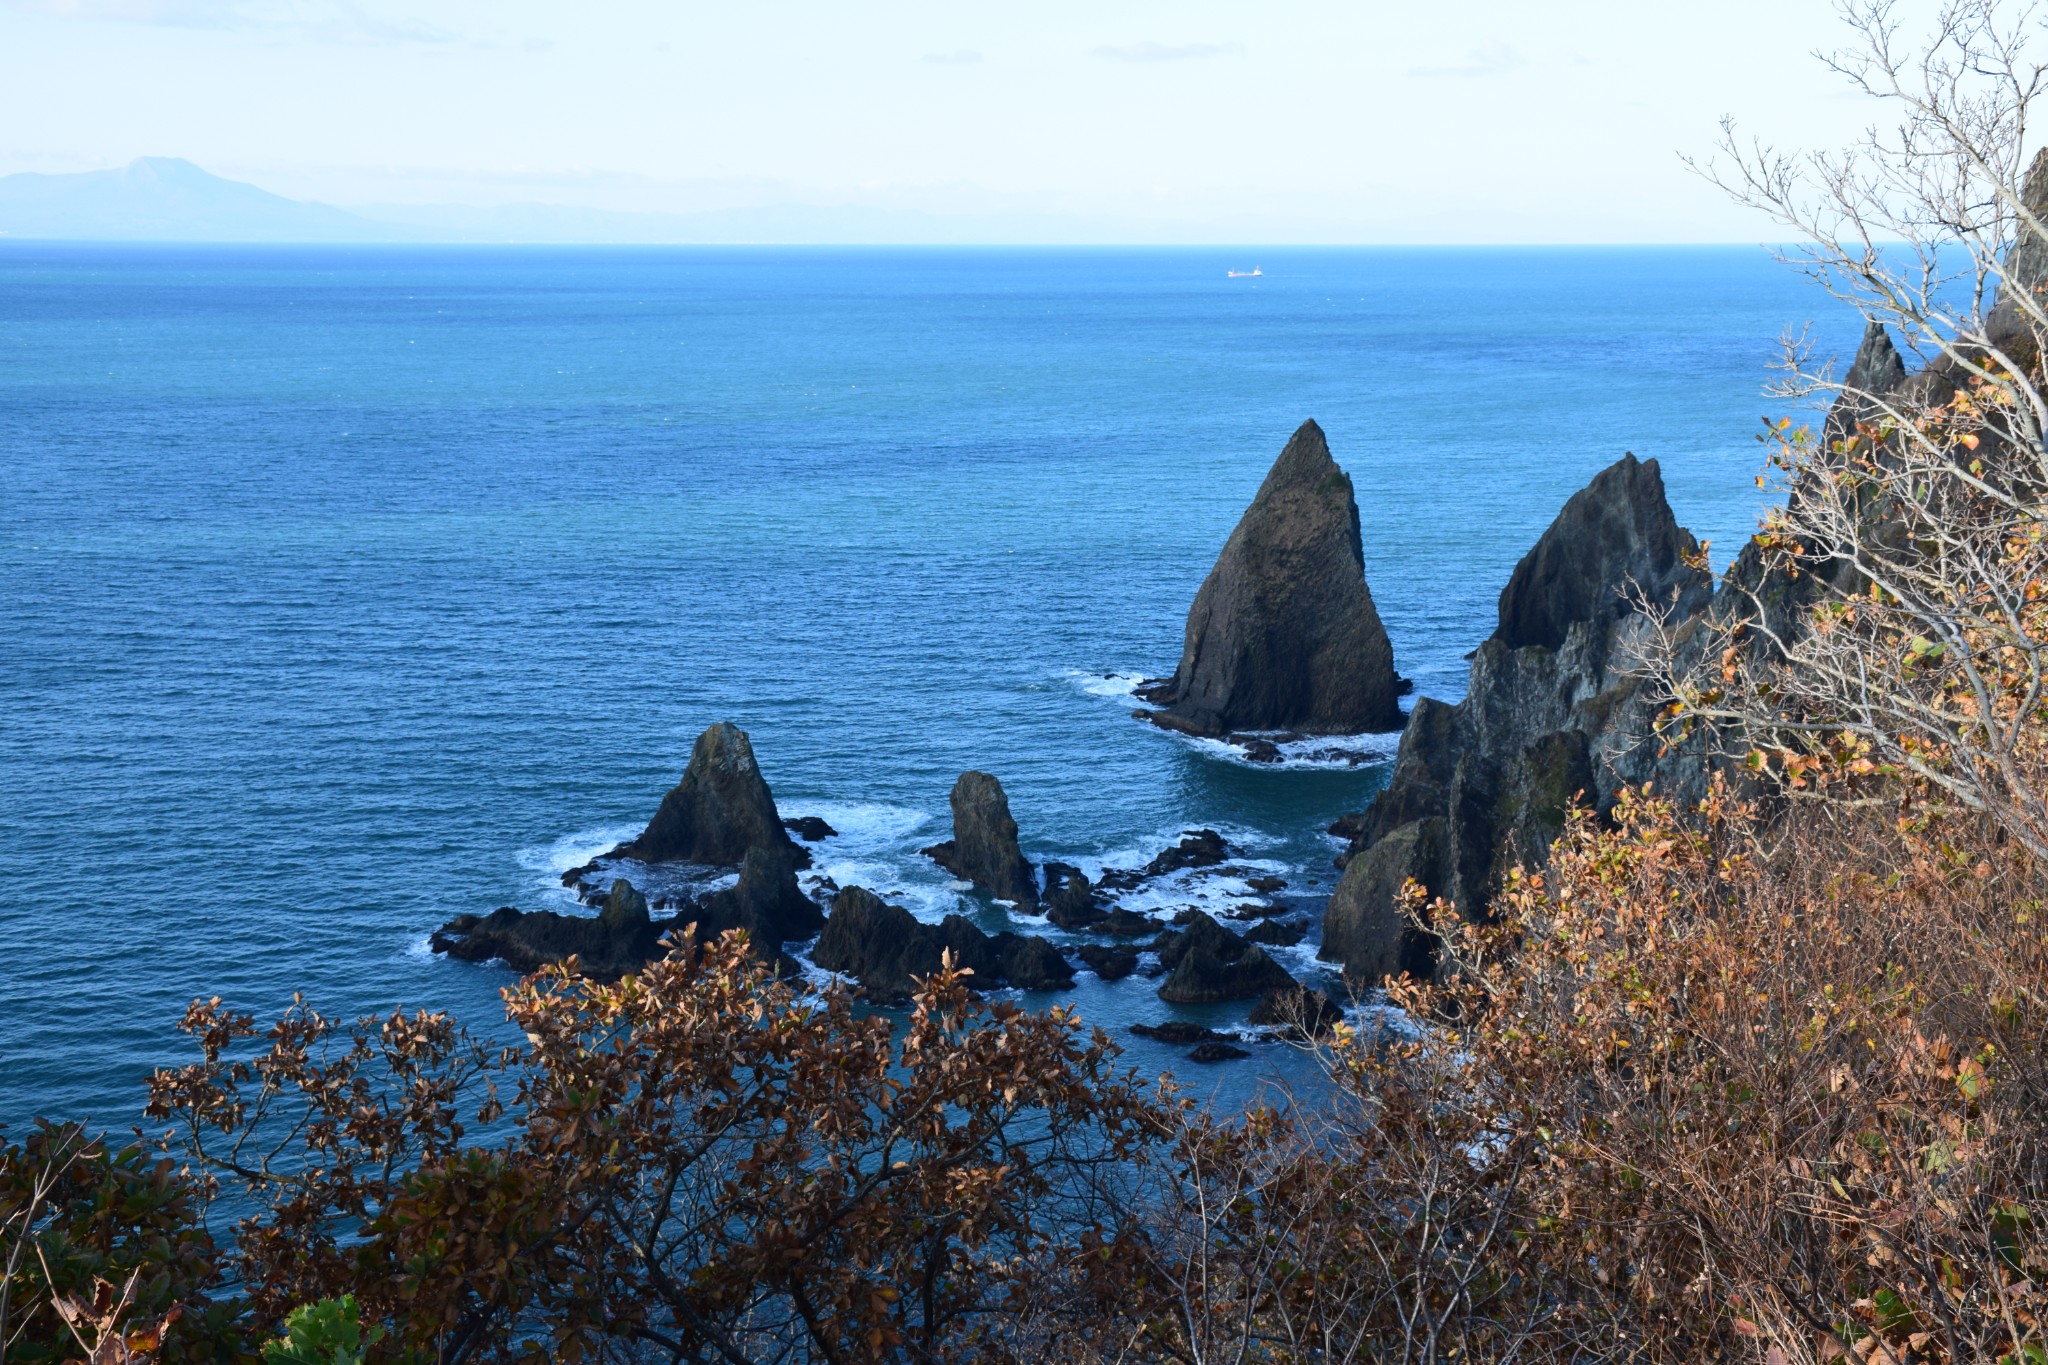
(166, 199)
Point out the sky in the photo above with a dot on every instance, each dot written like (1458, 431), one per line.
(1138, 120)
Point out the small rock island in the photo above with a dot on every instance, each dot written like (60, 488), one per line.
(1283, 635)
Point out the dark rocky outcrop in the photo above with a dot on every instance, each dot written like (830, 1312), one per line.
(882, 946)
(1179, 1033)
(1273, 934)
(1122, 923)
(1550, 712)
(1283, 634)
(1302, 1011)
(1217, 1052)
(1069, 900)
(983, 849)
(1207, 964)
(2025, 268)
(767, 902)
(623, 937)
(720, 809)
(809, 827)
(1030, 963)
(1199, 848)
(1109, 961)
(1617, 529)
(887, 949)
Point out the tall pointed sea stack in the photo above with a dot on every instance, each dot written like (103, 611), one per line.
(1283, 634)
(720, 810)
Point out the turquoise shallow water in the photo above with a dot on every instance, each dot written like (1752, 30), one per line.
(345, 590)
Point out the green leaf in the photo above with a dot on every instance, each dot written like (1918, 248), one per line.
(329, 1332)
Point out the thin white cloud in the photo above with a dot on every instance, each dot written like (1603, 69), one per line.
(1491, 58)
(1168, 52)
(963, 57)
(335, 21)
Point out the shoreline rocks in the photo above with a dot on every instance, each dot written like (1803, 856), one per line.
(1283, 633)
(766, 902)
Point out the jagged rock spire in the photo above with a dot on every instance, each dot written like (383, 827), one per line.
(1283, 634)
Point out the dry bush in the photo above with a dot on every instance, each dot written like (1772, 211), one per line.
(693, 1163)
(1709, 1088)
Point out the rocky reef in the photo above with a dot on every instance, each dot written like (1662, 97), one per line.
(623, 937)
(984, 848)
(886, 949)
(720, 814)
(1283, 634)
(1551, 715)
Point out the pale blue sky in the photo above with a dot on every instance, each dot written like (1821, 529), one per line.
(1287, 120)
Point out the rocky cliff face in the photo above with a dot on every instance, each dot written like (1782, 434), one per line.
(984, 848)
(1549, 714)
(720, 810)
(1283, 634)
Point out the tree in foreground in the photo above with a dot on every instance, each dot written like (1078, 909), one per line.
(693, 1163)
(1893, 615)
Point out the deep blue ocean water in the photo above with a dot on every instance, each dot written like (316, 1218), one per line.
(344, 590)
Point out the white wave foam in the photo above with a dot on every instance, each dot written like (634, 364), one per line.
(925, 891)
(1373, 1017)
(1318, 751)
(878, 847)
(1139, 852)
(1199, 888)
(1118, 686)
(573, 850)
(863, 826)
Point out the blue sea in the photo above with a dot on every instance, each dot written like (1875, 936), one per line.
(346, 590)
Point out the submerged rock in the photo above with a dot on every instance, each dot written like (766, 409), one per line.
(720, 809)
(1178, 1032)
(1218, 1052)
(984, 849)
(1283, 634)
(1551, 715)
